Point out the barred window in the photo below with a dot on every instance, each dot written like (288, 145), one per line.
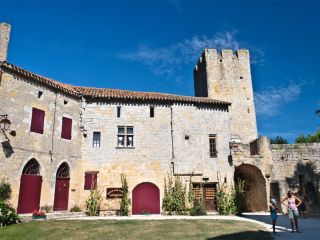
(96, 139)
(125, 136)
(213, 145)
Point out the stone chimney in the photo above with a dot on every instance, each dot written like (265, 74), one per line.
(4, 40)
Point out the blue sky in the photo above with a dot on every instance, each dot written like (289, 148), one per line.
(153, 46)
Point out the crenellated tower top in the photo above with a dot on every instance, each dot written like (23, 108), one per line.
(226, 76)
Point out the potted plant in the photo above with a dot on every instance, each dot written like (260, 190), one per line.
(38, 214)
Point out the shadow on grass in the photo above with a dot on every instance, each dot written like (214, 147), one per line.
(246, 235)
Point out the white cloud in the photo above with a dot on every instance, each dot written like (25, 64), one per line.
(269, 102)
(169, 61)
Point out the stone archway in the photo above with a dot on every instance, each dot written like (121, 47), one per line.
(146, 199)
(61, 196)
(255, 199)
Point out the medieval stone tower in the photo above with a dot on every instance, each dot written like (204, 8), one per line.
(4, 40)
(226, 76)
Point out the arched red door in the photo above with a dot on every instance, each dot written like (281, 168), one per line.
(61, 195)
(30, 188)
(146, 199)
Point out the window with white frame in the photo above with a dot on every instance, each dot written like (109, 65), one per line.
(125, 136)
(96, 139)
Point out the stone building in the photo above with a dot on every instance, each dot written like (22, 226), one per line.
(64, 140)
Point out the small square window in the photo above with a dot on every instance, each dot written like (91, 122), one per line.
(66, 130)
(96, 139)
(40, 94)
(37, 121)
(90, 180)
(65, 102)
(213, 145)
(151, 112)
(125, 137)
(118, 111)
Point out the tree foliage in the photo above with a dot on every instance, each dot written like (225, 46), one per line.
(278, 140)
(174, 200)
(230, 198)
(93, 203)
(124, 204)
(310, 138)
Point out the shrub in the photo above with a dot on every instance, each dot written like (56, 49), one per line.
(198, 208)
(230, 198)
(75, 208)
(278, 140)
(5, 190)
(93, 203)
(46, 208)
(310, 138)
(174, 200)
(8, 214)
(38, 213)
(124, 204)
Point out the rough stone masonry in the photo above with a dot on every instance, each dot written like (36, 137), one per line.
(62, 136)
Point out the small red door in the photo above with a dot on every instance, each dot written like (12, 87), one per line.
(61, 195)
(29, 194)
(146, 199)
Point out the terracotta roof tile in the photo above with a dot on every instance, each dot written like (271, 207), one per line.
(105, 93)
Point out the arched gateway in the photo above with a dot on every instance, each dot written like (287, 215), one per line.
(61, 195)
(146, 199)
(30, 188)
(255, 198)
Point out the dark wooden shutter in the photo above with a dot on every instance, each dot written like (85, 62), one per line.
(37, 121)
(90, 180)
(66, 128)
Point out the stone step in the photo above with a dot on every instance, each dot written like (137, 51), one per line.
(54, 215)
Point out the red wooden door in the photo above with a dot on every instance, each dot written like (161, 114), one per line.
(146, 199)
(61, 195)
(29, 194)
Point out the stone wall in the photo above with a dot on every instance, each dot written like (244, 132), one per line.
(156, 151)
(4, 40)
(227, 77)
(18, 97)
(295, 166)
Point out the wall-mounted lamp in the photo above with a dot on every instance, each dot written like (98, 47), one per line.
(4, 122)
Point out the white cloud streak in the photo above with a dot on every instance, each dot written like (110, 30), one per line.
(269, 102)
(170, 60)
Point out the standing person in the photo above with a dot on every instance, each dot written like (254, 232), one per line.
(302, 207)
(273, 212)
(292, 209)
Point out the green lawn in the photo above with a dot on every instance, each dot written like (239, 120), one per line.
(164, 229)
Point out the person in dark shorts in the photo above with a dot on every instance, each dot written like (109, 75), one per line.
(273, 212)
(293, 212)
(302, 207)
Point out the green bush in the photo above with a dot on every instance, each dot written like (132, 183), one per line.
(8, 214)
(278, 140)
(93, 203)
(198, 208)
(75, 208)
(174, 200)
(230, 198)
(310, 138)
(124, 204)
(46, 208)
(5, 190)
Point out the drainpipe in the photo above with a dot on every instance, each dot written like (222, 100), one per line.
(172, 149)
(1, 72)
(53, 126)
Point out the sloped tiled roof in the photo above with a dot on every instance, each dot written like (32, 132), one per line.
(66, 88)
(105, 93)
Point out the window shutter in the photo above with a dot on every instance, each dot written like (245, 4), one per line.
(66, 128)
(90, 180)
(37, 121)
